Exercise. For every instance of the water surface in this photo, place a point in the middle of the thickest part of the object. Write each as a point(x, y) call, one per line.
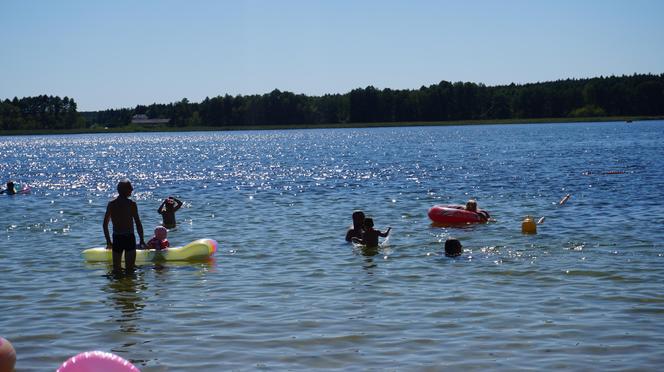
point(286, 292)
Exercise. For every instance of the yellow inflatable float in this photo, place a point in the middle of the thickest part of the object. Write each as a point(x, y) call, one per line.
point(197, 250)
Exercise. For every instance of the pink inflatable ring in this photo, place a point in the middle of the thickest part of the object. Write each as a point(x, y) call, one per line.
point(93, 361)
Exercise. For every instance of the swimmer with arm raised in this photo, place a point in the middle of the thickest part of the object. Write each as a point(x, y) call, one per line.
point(167, 211)
point(370, 235)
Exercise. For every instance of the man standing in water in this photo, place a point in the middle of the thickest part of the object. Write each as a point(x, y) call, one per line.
point(123, 213)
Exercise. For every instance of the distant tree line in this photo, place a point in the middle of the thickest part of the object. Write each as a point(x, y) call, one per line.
point(635, 95)
point(41, 112)
point(604, 96)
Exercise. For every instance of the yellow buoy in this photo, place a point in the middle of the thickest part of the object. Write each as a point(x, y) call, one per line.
point(528, 226)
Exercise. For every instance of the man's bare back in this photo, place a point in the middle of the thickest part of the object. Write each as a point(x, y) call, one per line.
point(122, 211)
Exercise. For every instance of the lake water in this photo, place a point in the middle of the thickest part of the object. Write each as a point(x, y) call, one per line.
point(286, 292)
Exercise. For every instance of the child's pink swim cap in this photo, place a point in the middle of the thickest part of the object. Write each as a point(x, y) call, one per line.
point(160, 232)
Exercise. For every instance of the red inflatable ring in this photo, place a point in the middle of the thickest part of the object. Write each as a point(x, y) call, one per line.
point(456, 214)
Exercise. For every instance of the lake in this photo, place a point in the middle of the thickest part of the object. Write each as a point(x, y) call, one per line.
point(286, 292)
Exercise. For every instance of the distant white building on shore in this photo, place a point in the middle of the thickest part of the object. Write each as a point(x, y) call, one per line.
point(143, 119)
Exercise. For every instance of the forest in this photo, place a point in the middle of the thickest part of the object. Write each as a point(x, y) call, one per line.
point(614, 96)
point(40, 112)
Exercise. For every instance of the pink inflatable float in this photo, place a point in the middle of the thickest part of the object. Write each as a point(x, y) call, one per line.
point(97, 361)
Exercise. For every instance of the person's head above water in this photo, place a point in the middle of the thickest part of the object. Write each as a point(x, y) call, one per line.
point(169, 203)
point(358, 219)
point(453, 247)
point(10, 185)
point(160, 232)
point(368, 222)
point(125, 188)
point(471, 205)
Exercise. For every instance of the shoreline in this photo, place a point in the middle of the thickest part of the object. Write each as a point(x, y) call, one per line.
point(141, 129)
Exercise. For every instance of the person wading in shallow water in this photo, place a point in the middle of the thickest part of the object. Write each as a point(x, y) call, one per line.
point(370, 235)
point(358, 226)
point(167, 211)
point(123, 213)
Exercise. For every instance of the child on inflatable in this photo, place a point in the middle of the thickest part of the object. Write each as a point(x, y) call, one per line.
point(159, 241)
point(370, 236)
point(167, 211)
point(356, 231)
point(471, 206)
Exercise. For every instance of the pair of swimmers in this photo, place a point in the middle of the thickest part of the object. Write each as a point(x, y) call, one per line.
point(363, 231)
point(122, 212)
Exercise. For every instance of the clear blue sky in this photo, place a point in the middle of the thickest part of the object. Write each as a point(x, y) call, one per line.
point(120, 53)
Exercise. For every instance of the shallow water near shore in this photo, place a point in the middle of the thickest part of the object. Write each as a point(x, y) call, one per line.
point(285, 291)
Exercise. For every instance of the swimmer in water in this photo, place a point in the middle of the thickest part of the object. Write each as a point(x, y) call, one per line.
point(10, 190)
point(167, 211)
point(370, 235)
point(453, 247)
point(358, 223)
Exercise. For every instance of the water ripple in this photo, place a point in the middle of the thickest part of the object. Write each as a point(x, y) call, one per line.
point(285, 291)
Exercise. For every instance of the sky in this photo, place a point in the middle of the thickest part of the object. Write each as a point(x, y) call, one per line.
point(122, 53)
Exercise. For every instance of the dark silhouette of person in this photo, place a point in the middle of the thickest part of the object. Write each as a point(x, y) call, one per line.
point(10, 190)
point(357, 229)
point(453, 248)
point(167, 211)
point(370, 235)
point(123, 213)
